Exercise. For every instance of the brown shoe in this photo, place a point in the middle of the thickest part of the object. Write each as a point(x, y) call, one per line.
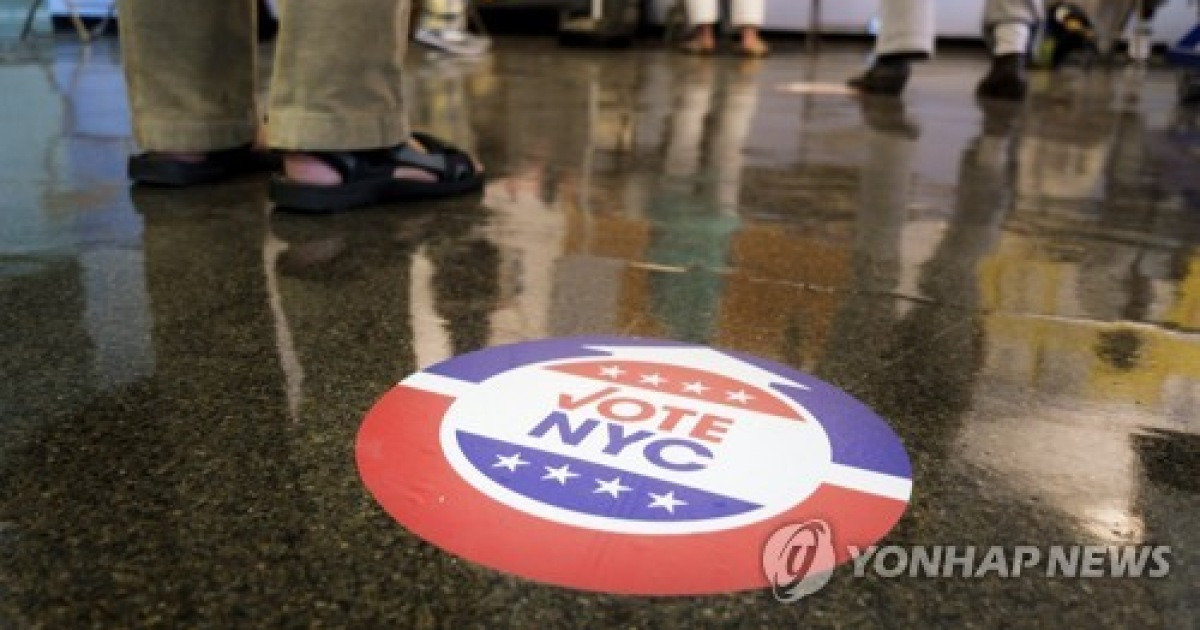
point(1005, 80)
point(884, 79)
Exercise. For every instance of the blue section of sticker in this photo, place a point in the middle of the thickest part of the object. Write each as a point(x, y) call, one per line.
point(591, 488)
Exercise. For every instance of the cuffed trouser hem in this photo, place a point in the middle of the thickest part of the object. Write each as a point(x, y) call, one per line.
point(186, 136)
point(906, 26)
point(1011, 38)
point(743, 13)
point(303, 131)
point(748, 13)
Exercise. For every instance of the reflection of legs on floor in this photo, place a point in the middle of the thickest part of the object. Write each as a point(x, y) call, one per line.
point(883, 193)
point(443, 25)
point(939, 342)
point(268, 25)
point(705, 144)
point(708, 132)
point(686, 124)
point(934, 351)
point(420, 285)
point(864, 323)
point(987, 175)
point(733, 127)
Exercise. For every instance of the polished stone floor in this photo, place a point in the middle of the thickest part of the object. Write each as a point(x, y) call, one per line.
point(1016, 289)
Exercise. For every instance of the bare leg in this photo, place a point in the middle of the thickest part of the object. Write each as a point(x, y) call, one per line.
point(752, 42)
point(702, 41)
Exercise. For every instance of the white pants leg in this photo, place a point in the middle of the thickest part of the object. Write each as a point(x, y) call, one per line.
point(745, 12)
point(702, 11)
point(748, 12)
point(1024, 11)
point(906, 26)
point(1008, 24)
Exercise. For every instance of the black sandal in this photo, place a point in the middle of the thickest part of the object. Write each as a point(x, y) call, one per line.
point(157, 169)
point(368, 177)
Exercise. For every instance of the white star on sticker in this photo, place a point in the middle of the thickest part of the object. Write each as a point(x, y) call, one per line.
point(739, 396)
point(612, 371)
point(561, 475)
point(511, 462)
point(653, 379)
point(695, 388)
point(613, 487)
point(666, 501)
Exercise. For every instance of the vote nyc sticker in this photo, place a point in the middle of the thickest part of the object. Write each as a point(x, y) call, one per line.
point(628, 466)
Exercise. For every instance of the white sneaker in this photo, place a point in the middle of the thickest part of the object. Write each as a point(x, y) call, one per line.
point(455, 42)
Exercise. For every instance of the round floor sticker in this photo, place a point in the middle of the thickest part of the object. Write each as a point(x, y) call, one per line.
point(628, 466)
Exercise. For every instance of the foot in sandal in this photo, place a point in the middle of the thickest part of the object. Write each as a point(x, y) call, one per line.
point(332, 181)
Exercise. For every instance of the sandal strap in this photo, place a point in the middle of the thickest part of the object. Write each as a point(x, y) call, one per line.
point(456, 163)
point(442, 160)
point(435, 163)
point(355, 165)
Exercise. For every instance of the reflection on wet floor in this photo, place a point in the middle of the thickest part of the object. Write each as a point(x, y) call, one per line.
point(1015, 288)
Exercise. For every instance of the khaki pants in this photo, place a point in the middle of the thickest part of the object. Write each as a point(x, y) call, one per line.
point(190, 68)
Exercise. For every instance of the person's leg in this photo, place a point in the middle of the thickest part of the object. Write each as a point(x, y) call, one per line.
point(189, 70)
point(337, 79)
point(443, 25)
point(337, 111)
point(748, 18)
point(906, 32)
point(1008, 27)
point(703, 16)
